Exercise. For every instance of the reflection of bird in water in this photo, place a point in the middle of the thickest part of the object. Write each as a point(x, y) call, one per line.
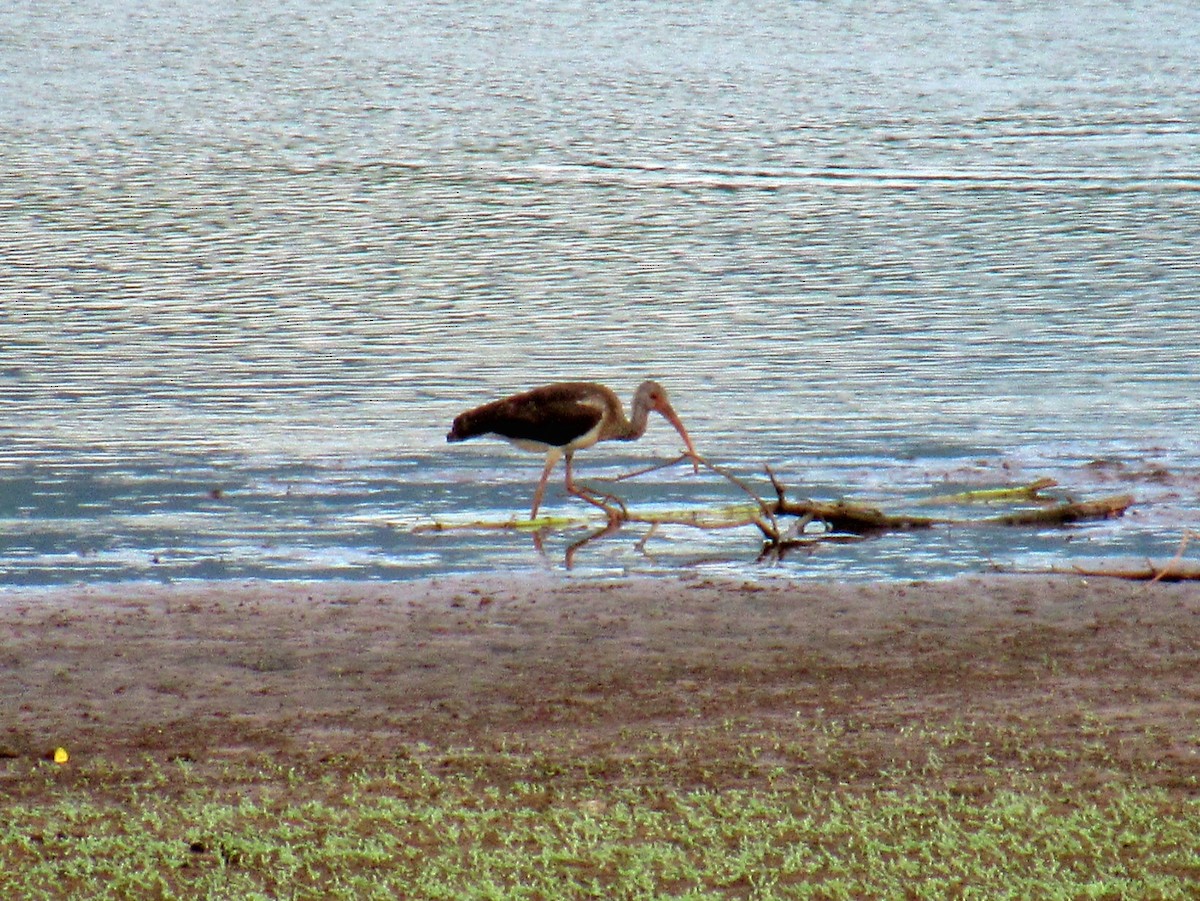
point(559, 419)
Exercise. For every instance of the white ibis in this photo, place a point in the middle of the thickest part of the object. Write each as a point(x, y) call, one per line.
point(559, 419)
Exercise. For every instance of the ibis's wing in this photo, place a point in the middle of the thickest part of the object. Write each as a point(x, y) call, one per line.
point(554, 415)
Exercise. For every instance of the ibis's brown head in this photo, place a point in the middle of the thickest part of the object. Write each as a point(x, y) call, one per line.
point(653, 396)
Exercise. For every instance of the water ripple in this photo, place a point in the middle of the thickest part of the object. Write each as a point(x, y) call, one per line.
point(272, 255)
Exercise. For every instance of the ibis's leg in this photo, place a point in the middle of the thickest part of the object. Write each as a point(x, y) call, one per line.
point(570, 477)
point(572, 488)
point(551, 459)
point(592, 496)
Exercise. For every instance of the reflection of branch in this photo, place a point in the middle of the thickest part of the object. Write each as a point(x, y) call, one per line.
point(779, 550)
point(653, 468)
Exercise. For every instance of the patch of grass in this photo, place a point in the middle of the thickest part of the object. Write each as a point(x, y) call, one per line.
point(515, 823)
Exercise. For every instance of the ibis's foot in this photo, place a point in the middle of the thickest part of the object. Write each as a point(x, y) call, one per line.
point(613, 507)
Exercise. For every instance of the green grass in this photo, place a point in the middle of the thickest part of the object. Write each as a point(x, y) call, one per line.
point(509, 824)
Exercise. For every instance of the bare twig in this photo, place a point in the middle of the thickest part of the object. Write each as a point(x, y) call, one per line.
point(1149, 575)
point(779, 489)
point(1188, 535)
point(650, 469)
point(598, 498)
point(770, 528)
point(772, 532)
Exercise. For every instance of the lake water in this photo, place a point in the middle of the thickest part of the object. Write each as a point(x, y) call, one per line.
point(253, 261)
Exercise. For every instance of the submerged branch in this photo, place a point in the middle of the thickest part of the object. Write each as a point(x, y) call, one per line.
point(1030, 492)
point(1064, 514)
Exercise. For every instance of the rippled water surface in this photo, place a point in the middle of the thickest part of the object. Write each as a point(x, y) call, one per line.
point(253, 262)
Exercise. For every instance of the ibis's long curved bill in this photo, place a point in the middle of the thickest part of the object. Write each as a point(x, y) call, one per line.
point(669, 414)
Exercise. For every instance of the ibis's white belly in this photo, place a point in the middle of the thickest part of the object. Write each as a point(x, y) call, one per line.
point(587, 439)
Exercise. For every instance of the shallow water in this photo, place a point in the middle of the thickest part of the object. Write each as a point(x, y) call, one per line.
point(254, 263)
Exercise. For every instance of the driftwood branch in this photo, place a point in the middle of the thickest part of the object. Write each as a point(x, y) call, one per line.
point(847, 516)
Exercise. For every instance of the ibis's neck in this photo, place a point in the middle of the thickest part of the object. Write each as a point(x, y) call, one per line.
point(635, 428)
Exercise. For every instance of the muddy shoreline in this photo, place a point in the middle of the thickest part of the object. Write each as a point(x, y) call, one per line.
point(213, 669)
